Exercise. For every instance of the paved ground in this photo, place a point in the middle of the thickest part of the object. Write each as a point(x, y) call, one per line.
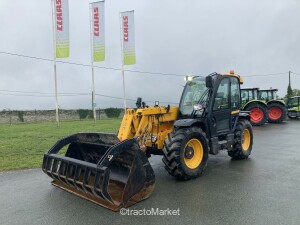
point(265, 189)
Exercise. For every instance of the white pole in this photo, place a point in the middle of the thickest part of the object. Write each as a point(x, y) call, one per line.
point(92, 63)
point(122, 56)
point(54, 60)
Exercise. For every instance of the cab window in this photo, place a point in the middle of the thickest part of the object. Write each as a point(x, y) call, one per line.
point(293, 102)
point(263, 95)
point(245, 96)
point(222, 97)
point(235, 93)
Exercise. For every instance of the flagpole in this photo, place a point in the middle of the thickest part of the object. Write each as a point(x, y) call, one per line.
point(122, 57)
point(54, 62)
point(92, 63)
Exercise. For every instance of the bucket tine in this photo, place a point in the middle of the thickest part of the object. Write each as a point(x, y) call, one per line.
point(105, 180)
point(69, 174)
point(77, 176)
point(96, 190)
point(61, 171)
point(46, 163)
point(86, 180)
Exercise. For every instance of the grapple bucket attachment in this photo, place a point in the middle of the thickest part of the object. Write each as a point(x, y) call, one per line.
point(100, 168)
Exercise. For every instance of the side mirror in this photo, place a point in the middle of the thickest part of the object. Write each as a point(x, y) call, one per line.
point(198, 107)
point(209, 82)
point(138, 102)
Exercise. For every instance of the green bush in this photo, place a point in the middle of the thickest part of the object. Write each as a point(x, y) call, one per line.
point(21, 116)
point(84, 113)
point(112, 112)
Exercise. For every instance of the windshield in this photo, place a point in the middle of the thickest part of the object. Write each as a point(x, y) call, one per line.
point(193, 93)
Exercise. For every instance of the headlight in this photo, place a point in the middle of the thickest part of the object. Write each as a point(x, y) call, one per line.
point(188, 78)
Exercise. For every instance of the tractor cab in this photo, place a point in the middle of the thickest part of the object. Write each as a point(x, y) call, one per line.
point(267, 95)
point(293, 105)
point(216, 94)
point(198, 92)
point(249, 94)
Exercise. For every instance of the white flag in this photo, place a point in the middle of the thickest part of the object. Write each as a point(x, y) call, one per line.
point(61, 8)
point(127, 21)
point(98, 31)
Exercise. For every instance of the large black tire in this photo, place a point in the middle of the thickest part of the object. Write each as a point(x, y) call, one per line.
point(293, 117)
point(178, 162)
point(243, 140)
point(258, 113)
point(276, 112)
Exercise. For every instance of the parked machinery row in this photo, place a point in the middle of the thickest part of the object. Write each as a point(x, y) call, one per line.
point(264, 106)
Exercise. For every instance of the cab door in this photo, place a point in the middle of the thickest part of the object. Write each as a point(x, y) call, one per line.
point(235, 100)
point(220, 115)
point(225, 106)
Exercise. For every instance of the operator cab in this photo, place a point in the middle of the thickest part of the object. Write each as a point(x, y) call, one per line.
point(248, 94)
point(267, 95)
point(214, 100)
point(293, 102)
point(293, 105)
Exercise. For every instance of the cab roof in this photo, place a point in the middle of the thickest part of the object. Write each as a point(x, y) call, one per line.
point(271, 89)
point(254, 88)
point(241, 79)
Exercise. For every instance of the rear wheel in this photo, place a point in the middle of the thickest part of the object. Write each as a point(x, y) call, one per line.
point(258, 114)
point(243, 140)
point(186, 153)
point(276, 112)
point(293, 117)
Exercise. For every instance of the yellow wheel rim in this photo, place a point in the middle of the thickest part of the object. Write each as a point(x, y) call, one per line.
point(193, 153)
point(246, 139)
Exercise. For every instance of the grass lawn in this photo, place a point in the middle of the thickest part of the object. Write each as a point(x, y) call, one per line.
point(22, 145)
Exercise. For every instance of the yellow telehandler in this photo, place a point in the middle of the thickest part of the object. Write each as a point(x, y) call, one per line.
point(114, 171)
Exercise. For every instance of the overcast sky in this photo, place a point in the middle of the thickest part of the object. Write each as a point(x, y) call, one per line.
point(253, 37)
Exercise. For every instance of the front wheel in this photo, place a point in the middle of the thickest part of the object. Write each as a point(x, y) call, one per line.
point(243, 140)
point(186, 153)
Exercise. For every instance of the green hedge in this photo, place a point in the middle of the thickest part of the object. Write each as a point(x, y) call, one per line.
point(112, 112)
point(85, 113)
point(21, 116)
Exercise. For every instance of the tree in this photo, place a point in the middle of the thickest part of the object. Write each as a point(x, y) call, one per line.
point(289, 91)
